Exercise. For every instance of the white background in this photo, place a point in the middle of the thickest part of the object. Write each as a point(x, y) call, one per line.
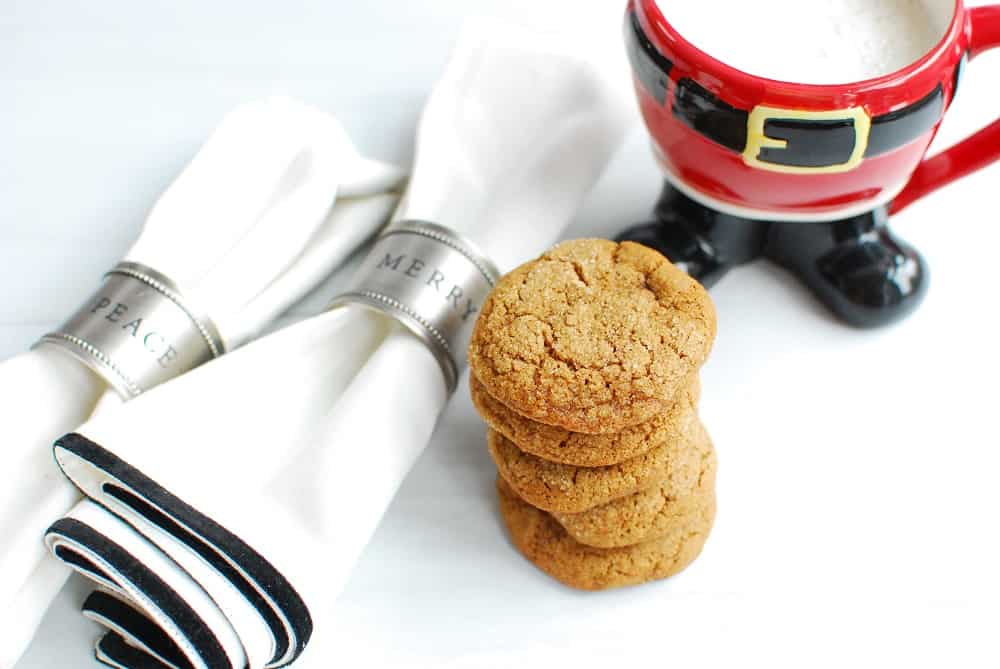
point(858, 495)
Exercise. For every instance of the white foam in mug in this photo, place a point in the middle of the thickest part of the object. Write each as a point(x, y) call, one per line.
point(812, 41)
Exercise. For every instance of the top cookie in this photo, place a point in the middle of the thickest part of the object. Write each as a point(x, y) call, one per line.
point(593, 336)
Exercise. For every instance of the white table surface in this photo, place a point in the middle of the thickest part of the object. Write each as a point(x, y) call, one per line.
point(857, 491)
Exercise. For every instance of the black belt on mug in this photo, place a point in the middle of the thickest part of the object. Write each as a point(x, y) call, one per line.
point(782, 140)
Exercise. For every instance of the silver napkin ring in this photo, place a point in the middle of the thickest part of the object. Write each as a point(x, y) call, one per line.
point(137, 331)
point(432, 281)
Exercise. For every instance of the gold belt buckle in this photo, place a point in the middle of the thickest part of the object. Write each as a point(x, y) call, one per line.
point(757, 139)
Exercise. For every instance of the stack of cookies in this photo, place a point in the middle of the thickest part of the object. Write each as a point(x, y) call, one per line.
point(585, 367)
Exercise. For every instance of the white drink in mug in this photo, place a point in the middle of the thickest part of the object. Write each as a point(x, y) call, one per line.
point(812, 41)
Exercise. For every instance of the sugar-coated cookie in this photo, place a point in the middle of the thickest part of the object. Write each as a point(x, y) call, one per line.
point(593, 336)
point(587, 450)
point(545, 543)
point(643, 516)
point(560, 488)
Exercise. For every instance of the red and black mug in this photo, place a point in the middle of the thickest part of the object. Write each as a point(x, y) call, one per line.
point(759, 148)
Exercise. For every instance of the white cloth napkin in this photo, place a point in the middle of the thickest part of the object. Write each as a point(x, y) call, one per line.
point(266, 500)
point(245, 231)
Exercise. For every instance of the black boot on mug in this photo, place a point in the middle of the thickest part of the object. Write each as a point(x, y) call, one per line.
point(702, 241)
point(855, 266)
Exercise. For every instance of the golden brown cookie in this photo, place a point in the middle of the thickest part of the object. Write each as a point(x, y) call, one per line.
point(560, 488)
point(649, 514)
point(587, 450)
point(545, 543)
point(594, 336)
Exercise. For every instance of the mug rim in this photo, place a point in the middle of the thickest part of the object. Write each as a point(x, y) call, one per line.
point(663, 28)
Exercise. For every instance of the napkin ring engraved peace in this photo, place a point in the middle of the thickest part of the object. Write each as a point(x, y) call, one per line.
point(137, 331)
point(805, 174)
point(432, 281)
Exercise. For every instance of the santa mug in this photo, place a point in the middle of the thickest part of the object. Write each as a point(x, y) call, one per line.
point(748, 159)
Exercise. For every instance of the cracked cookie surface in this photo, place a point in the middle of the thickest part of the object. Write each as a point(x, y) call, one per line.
point(546, 544)
point(560, 488)
point(649, 514)
point(587, 450)
point(593, 336)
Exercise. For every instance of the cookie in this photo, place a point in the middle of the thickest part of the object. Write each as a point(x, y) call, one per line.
point(593, 336)
point(649, 514)
point(545, 543)
point(560, 488)
point(587, 450)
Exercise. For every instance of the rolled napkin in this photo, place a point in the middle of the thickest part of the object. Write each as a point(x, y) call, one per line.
point(244, 232)
point(266, 500)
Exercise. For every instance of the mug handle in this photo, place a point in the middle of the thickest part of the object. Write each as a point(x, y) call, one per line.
point(973, 153)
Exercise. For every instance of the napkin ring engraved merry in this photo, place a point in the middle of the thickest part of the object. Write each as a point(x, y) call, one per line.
point(432, 281)
point(137, 331)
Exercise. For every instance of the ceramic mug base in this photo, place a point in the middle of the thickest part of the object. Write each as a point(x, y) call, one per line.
point(884, 198)
point(865, 275)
